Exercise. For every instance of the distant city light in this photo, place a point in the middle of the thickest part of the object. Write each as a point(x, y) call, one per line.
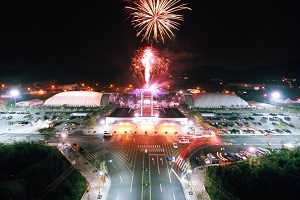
point(275, 95)
point(14, 93)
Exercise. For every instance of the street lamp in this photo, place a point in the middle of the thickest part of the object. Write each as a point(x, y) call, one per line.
point(14, 94)
point(102, 122)
point(63, 136)
point(275, 97)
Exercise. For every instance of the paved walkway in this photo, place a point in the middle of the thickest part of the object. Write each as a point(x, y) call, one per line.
point(194, 188)
point(89, 172)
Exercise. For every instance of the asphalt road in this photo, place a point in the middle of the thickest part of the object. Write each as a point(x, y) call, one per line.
point(139, 168)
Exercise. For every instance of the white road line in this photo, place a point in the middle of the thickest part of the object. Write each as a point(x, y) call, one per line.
point(113, 165)
point(160, 187)
point(157, 164)
point(131, 183)
point(120, 178)
point(174, 196)
point(176, 175)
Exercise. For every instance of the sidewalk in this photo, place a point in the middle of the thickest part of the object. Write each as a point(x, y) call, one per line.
point(194, 189)
point(89, 172)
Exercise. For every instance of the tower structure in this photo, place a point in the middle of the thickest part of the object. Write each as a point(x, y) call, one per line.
point(146, 103)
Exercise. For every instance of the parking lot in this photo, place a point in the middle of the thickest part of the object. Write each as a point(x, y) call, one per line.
point(29, 122)
point(252, 122)
point(265, 123)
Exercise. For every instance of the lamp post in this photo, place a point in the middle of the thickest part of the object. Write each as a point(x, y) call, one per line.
point(14, 94)
point(102, 123)
point(63, 136)
point(102, 175)
point(275, 97)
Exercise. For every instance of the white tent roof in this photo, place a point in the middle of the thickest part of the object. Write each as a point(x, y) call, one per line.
point(75, 98)
point(288, 100)
point(210, 100)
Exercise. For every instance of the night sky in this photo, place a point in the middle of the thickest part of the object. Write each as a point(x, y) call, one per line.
point(96, 35)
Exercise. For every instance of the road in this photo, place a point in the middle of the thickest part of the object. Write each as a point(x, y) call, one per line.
point(139, 168)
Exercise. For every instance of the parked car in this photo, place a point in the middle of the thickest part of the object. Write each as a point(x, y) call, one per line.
point(81, 149)
point(66, 128)
point(106, 134)
point(184, 141)
point(175, 146)
point(75, 146)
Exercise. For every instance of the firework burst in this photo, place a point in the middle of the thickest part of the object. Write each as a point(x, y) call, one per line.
point(146, 64)
point(155, 18)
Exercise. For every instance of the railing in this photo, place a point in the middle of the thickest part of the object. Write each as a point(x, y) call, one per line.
point(55, 183)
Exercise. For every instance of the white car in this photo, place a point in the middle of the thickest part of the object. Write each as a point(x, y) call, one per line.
point(184, 141)
point(175, 145)
point(106, 134)
point(66, 128)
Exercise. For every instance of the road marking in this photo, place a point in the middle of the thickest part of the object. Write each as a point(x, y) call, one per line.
point(120, 178)
point(118, 196)
point(176, 174)
point(131, 183)
point(113, 165)
point(174, 196)
point(157, 165)
point(160, 187)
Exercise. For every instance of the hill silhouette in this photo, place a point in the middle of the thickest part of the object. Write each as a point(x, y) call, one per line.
point(288, 69)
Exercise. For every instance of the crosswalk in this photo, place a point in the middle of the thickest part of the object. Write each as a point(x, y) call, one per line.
point(182, 164)
point(92, 156)
point(151, 148)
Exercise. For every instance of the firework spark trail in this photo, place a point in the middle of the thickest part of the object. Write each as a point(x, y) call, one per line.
point(146, 60)
point(155, 18)
point(146, 64)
